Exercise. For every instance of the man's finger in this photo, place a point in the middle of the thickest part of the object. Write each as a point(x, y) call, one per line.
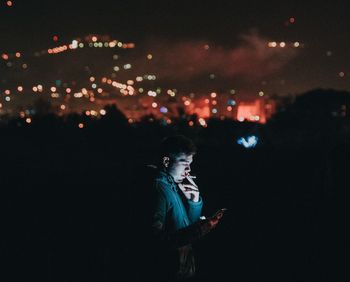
point(191, 190)
point(190, 193)
point(188, 186)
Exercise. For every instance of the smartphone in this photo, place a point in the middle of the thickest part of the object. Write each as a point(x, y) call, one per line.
point(219, 214)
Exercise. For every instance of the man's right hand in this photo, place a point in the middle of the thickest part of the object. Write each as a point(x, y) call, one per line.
point(190, 191)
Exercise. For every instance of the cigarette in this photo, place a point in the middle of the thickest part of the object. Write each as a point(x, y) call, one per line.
point(192, 176)
point(190, 179)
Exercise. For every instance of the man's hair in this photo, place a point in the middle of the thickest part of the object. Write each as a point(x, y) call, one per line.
point(172, 146)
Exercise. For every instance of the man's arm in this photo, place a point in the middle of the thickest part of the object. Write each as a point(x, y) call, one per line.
point(182, 236)
point(194, 210)
point(194, 203)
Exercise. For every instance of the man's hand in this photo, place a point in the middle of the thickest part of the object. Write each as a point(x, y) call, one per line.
point(190, 191)
point(214, 220)
point(206, 225)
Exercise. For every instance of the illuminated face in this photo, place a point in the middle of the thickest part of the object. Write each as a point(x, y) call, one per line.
point(178, 167)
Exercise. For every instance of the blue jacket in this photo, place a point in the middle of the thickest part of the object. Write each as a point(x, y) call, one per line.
point(176, 224)
point(172, 210)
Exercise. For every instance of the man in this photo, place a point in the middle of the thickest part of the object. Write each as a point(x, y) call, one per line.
point(176, 211)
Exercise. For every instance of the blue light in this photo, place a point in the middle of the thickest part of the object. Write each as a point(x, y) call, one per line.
point(249, 142)
point(163, 110)
point(231, 102)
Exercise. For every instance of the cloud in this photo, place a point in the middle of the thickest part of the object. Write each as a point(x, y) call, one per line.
point(186, 60)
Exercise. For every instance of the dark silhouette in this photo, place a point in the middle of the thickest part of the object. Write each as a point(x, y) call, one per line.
point(65, 195)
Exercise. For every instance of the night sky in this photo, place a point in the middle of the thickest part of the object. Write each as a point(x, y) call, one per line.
point(201, 46)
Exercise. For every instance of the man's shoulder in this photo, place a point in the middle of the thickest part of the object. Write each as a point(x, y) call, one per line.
point(150, 178)
point(163, 179)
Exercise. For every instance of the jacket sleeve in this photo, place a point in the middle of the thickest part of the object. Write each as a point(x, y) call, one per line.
point(194, 210)
point(182, 236)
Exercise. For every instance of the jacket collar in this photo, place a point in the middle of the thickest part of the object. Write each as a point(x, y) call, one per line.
point(164, 176)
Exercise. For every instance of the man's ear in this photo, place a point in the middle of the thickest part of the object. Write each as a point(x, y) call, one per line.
point(165, 161)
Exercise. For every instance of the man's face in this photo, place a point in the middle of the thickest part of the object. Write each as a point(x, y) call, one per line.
point(179, 167)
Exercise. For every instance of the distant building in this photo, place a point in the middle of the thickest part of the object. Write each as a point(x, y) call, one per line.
point(259, 110)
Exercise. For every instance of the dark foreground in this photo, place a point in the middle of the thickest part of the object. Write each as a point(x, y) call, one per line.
point(64, 201)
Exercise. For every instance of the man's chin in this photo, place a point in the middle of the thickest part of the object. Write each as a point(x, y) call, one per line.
point(179, 180)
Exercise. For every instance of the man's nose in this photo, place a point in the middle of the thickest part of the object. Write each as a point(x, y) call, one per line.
point(187, 168)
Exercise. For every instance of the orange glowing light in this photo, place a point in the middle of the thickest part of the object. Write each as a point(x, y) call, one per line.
point(81, 125)
point(9, 3)
point(273, 44)
point(202, 122)
point(5, 56)
point(55, 38)
point(20, 88)
point(213, 95)
point(112, 44)
point(251, 111)
point(28, 120)
point(18, 55)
